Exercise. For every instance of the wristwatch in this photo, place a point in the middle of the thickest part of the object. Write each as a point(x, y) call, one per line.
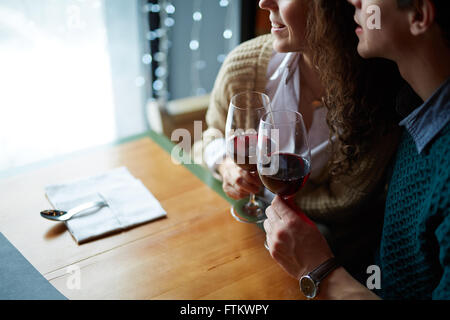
point(309, 283)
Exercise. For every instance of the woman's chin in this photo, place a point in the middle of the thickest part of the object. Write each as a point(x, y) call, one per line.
point(284, 46)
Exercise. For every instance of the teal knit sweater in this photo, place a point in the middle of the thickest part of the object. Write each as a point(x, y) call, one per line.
point(415, 245)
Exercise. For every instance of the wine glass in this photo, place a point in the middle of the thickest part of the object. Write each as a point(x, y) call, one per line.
point(241, 134)
point(283, 156)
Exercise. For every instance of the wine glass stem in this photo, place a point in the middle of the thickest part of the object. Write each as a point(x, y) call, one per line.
point(252, 200)
point(290, 201)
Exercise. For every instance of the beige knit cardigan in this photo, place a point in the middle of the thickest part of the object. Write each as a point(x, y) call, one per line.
point(328, 199)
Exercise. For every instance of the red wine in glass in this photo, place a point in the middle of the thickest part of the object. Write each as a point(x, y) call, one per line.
point(292, 174)
point(244, 151)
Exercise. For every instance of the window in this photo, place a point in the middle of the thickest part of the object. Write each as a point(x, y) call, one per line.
point(71, 76)
point(80, 73)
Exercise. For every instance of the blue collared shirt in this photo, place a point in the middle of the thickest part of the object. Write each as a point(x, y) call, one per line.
point(425, 122)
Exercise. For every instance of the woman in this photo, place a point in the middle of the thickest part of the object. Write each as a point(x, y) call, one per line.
point(414, 255)
point(347, 176)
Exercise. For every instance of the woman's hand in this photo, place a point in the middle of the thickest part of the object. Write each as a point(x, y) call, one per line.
point(238, 183)
point(294, 242)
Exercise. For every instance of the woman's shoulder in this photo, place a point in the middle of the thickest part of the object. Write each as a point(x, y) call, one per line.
point(255, 51)
point(246, 65)
point(256, 44)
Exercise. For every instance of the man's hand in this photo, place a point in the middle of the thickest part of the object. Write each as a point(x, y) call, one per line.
point(294, 242)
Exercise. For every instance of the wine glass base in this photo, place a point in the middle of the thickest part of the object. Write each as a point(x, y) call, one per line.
point(244, 211)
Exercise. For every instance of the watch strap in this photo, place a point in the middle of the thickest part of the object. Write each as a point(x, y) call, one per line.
point(319, 273)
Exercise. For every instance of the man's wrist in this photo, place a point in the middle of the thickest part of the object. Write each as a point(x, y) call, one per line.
point(340, 285)
point(310, 283)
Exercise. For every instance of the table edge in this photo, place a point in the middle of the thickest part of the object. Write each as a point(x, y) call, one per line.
point(161, 140)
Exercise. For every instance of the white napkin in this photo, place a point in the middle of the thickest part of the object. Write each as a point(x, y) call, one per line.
point(129, 203)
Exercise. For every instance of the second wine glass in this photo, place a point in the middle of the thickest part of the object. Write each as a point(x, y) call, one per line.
point(284, 156)
point(241, 133)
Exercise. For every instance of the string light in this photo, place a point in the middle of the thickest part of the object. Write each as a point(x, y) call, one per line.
point(160, 72)
point(197, 16)
point(158, 85)
point(223, 3)
point(159, 56)
point(194, 45)
point(147, 58)
point(221, 58)
point(151, 35)
point(155, 8)
point(170, 9)
point(169, 22)
point(227, 34)
point(160, 32)
point(165, 9)
point(147, 7)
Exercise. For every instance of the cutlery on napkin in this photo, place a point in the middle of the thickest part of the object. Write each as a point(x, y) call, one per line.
point(130, 203)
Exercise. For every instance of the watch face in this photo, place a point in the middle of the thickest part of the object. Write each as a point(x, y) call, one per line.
point(308, 287)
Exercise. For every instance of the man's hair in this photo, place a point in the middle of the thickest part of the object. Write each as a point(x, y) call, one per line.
point(442, 15)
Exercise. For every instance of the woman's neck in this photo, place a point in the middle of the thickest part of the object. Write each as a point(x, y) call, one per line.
point(309, 71)
point(311, 89)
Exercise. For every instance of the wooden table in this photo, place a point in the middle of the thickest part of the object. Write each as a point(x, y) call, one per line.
point(198, 252)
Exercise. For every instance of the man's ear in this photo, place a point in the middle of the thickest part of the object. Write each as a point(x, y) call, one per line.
point(421, 16)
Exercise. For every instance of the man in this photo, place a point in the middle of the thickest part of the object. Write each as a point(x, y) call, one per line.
point(415, 246)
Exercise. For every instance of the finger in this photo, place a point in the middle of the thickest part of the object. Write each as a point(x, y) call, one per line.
point(283, 210)
point(240, 178)
point(237, 172)
point(287, 214)
point(269, 213)
point(229, 186)
point(245, 186)
point(267, 227)
point(242, 189)
point(269, 243)
point(227, 178)
point(252, 178)
point(236, 195)
point(233, 193)
point(272, 214)
point(236, 175)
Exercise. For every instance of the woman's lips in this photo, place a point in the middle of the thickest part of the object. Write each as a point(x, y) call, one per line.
point(358, 29)
point(277, 27)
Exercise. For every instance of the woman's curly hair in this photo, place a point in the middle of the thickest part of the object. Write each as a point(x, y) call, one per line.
point(360, 94)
